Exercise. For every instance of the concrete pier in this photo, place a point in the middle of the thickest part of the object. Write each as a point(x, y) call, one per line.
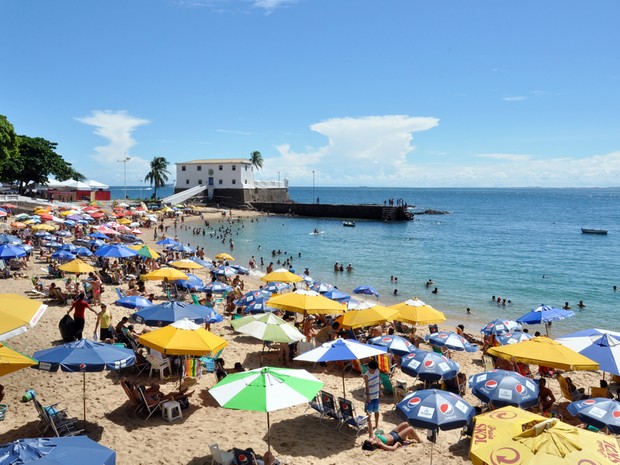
point(365, 212)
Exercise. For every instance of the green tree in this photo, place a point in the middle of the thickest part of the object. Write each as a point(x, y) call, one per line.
point(9, 143)
point(35, 162)
point(158, 176)
point(257, 159)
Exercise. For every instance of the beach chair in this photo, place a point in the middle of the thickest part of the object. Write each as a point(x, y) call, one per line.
point(316, 405)
point(350, 418)
point(56, 420)
point(600, 392)
point(195, 299)
point(244, 457)
point(129, 391)
point(149, 404)
point(220, 455)
point(329, 409)
point(119, 293)
point(160, 364)
point(386, 383)
point(488, 363)
point(564, 388)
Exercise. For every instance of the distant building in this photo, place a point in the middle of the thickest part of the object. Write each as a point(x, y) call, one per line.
point(229, 181)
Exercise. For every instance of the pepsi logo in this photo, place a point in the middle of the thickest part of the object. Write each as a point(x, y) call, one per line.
point(410, 356)
point(508, 334)
point(407, 344)
point(82, 366)
point(521, 389)
point(446, 409)
point(386, 339)
point(490, 384)
point(589, 402)
point(443, 336)
point(414, 401)
point(616, 413)
point(429, 364)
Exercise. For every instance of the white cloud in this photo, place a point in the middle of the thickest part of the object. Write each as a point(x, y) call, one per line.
point(270, 5)
point(234, 131)
point(505, 156)
point(514, 98)
point(118, 128)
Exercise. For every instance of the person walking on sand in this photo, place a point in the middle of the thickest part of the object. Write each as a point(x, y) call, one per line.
point(79, 307)
point(372, 382)
point(104, 322)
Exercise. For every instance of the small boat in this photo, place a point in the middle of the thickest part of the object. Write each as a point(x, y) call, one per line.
point(593, 231)
point(349, 224)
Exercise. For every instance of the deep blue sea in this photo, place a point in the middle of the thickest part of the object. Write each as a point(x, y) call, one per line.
point(524, 245)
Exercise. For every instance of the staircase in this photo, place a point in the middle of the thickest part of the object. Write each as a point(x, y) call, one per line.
point(388, 213)
point(184, 195)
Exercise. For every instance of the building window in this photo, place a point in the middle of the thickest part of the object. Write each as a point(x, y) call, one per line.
point(199, 168)
point(234, 181)
point(221, 167)
point(245, 182)
point(246, 167)
point(234, 167)
point(183, 167)
point(187, 181)
point(200, 181)
point(220, 182)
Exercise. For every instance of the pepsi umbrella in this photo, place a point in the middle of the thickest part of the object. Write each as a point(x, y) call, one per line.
point(276, 287)
point(500, 327)
point(240, 269)
point(503, 388)
point(321, 288)
point(429, 366)
point(598, 412)
point(63, 256)
point(337, 295)
point(224, 271)
point(168, 312)
point(96, 243)
point(181, 248)
point(9, 239)
point(192, 282)
point(512, 338)
point(166, 242)
point(52, 244)
point(99, 235)
point(63, 233)
point(115, 251)
point(69, 248)
point(252, 297)
point(201, 262)
point(366, 290)
point(42, 234)
point(216, 287)
point(72, 450)
point(259, 307)
point(8, 251)
point(435, 409)
point(451, 340)
point(395, 344)
point(544, 315)
point(597, 344)
point(84, 356)
point(83, 252)
point(133, 301)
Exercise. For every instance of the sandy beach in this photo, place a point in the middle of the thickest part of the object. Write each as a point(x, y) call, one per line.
point(296, 435)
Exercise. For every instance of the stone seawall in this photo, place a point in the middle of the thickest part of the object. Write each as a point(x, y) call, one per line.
point(365, 212)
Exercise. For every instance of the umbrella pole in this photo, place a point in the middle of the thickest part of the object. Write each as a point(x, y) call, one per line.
point(344, 392)
point(268, 434)
point(261, 356)
point(84, 395)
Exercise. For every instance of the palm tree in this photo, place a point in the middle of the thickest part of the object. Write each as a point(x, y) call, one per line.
point(159, 174)
point(257, 159)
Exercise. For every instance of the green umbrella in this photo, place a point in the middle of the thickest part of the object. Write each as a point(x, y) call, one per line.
point(266, 389)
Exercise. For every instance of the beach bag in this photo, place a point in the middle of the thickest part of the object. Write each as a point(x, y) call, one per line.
point(67, 328)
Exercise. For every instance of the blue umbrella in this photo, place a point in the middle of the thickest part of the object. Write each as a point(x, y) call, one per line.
point(9, 239)
point(52, 244)
point(181, 248)
point(83, 252)
point(321, 288)
point(167, 241)
point(115, 251)
point(544, 315)
point(276, 287)
point(63, 256)
point(598, 412)
point(252, 297)
point(337, 295)
point(73, 450)
point(42, 234)
point(168, 312)
point(133, 301)
point(84, 356)
point(240, 269)
point(69, 248)
point(224, 271)
point(203, 263)
point(96, 243)
point(62, 233)
point(216, 287)
point(8, 251)
point(192, 282)
point(503, 388)
point(512, 338)
point(451, 340)
point(99, 235)
point(599, 345)
point(258, 307)
point(429, 366)
point(366, 290)
point(395, 344)
point(500, 327)
point(433, 409)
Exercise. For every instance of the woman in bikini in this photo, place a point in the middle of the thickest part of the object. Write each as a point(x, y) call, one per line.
point(395, 438)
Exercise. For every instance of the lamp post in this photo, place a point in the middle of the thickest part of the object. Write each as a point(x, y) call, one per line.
point(141, 181)
point(124, 162)
point(313, 197)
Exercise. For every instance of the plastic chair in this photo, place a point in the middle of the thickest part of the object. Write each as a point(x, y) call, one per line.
point(220, 456)
point(329, 408)
point(158, 364)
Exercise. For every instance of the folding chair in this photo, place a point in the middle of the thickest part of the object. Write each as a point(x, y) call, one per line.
point(133, 400)
point(244, 457)
point(315, 404)
point(329, 408)
point(488, 363)
point(150, 404)
point(349, 417)
point(119, 293)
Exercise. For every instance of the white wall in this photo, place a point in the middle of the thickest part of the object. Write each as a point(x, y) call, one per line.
point(241, 177)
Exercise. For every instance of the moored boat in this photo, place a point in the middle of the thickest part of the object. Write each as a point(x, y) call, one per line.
point(593, 231)
point(349, 224)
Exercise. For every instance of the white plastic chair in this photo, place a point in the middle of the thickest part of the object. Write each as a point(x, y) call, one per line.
point(158, 364)
point(220, 456)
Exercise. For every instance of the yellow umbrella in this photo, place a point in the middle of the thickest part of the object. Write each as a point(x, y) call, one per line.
point(281, 276)
point(183, 337)
point(186, 264)
point(159, 275)
point(309, 302)
point(124, 221)
point(548, 442)
point(11, 360)
point(76, 266)
point(144, 250)
point(544, 351)
point(43, 227)
point(225, 256)
point(371, 316)
point(416, 312)
point(68, 212)
point(17, 313)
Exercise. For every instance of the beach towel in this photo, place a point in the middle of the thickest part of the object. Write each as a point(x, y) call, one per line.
point(193, 367)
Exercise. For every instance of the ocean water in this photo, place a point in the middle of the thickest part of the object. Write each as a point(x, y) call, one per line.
point(524, 245)
point(139, 192)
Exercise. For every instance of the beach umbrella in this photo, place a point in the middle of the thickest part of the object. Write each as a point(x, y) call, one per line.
point(598, 412)
point(416, 312)
point(307, 302)
point(144, 250)
point(185, 264)
point(321, 288)
point(281, 275)
point(600, 345)
point(225, 257)
point(216, 287)
point(63, 233)
point(544, 351)
point(203, 263)
point(52, 244)
point(84, 356)
point(72, 450)
point(171, 274)
point(18, 225)
point(545, 315)
point(337, 295)
point(240, 269)
point(11, 360)
point(181, 248)
point(166, 242)
point(133, 301)
point(17, 314)
point(498, 327)
point(96, 243)
point(115, 251)
point(76, 266)
point(429, 366)
point(258, 307)
point(395, 344)
point(9, 239)
point(267, 327)
point(366, 290)
point(9, 251)
point(192, 282)
point(501, 388)
point(374, 315)
point(223, 271)
point(168, 312)
point(341, 350)
point(63, 256)
point(98, 235)
point(512, 338)
point(451, 340)
point(83, 252)
point(435, 409)
point(252, 297)
point(43, 227)
point(183, 337)
point(276, 288)
point(266, 389)
point(22, 216)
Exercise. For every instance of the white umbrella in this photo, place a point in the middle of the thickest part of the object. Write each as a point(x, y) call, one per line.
point(97, 185)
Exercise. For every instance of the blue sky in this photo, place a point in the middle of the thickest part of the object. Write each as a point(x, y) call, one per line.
point(380, 93)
